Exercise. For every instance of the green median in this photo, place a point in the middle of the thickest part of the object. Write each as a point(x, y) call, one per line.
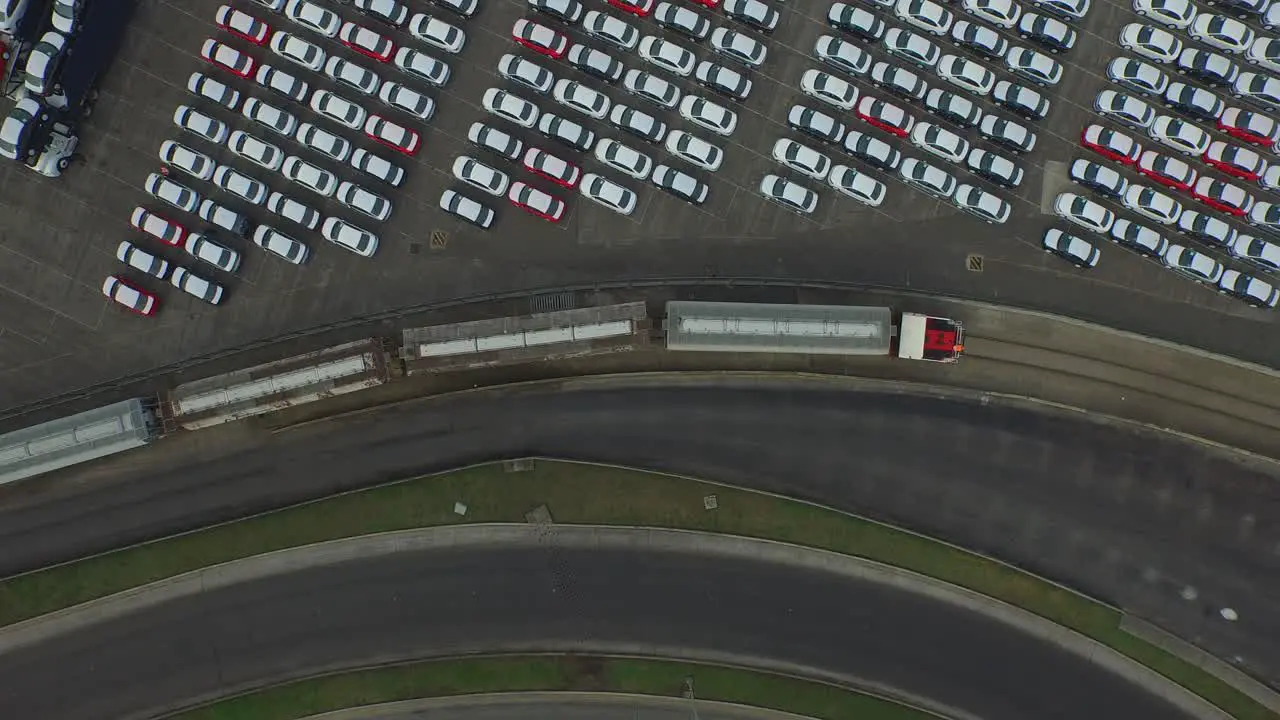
point(588, 494)
point(545, 673)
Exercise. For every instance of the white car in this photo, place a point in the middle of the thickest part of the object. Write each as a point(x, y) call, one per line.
point(1262, 253)
point(955, 107)
point(348, 236)
point(624, 158)
point(1004, 13)
point(1176, 14)
point(1137, 75)
point(1152, 204)
point(667, 55)
point(924, 14)
point(157, 226)
point(567, 131)
point(926, 177)
point(407, 100)
point(739, 46)
point(290, 209)
point(1195, 265)
point(240, 185)
point(1224, 33)
point(474, 212)
point(816, 123)
point(256, 151)
point(282, 82)
point(209, 128)
point(1077, 251)
point(196, 286)
point(176, 194)
point(695, 150)
point(638, 123)
point(801, 158)
point(966, 74)
point(481, 176)
point(939, 141)
point(912, 47)
point(899, 81)
point(790, 195)
point(316, 179)
point(338, 109)
point(512, 107)
point(608, 193)
point(829, 89)
point(652, 88)
point(281, 245)
point(982, 204)
point(842, 54)
point(707, 114)
point(135, 257)
point(1151, 42)
point(1125, 108)
point(1084, 212)
point(297, 50)
point(377, 167)
point(225, 218)
point(1071, 9)
point(212, 252)
point(192, 162)
point(858, 185)
point(437, 33)
point(313, 17)
point(351, 75)
point(324, 142)
point(1250, 289)
point(207, 87)
point(1035, 66)
point(1265, 51)
point(269, 116)
point(499, 141)
point(1138, 238)
point(422, 66)
point(578, 96)
point(1179, 135)
point(619, 33)
point(527, 73)
point(363, 201)
point(724, 80)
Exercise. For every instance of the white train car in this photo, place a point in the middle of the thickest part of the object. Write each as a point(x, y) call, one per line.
point(78, 438)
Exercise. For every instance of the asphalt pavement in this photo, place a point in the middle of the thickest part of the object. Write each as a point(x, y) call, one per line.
point(1136, 518)
point(414, 604)
point(556, 706)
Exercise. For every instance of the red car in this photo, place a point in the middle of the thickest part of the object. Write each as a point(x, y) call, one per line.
point(393, 135)
point(886, 116)
point(130, 296)
point(367, 42)
point(535, 202)
point(637, 7)
point(1251, 127)
point(1223, 196)
point(709, 3)
point(540, 38)
point(1168, 171)
point(243, 25)
point(227, 57)
point(158, 226)
point(1235, 160)
point(1111, 144)
point(560, 172)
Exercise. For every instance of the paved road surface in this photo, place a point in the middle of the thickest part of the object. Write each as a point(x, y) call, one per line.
point(1133, 518)
point(459, 600)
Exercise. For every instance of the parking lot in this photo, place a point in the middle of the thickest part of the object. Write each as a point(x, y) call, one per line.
point(59, 235)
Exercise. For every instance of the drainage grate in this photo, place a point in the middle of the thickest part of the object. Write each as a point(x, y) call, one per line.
point(973, 263)
point(552, 302)
point(439, 239)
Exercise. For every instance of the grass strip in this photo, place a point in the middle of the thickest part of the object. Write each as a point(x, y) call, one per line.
point(550, 673)
point(590, 494)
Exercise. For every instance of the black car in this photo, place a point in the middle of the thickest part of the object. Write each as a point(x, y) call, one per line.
point(1050, 33)
point(855, 21)
point(568, 11)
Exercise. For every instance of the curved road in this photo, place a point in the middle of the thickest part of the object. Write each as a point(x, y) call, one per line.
point(413, 604)
point(555, 706)
point(1136, 518)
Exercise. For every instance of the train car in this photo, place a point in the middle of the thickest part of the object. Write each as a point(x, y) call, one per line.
point(78, 438)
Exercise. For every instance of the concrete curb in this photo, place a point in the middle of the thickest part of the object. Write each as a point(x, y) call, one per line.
point(330, 553)
point(383, 710)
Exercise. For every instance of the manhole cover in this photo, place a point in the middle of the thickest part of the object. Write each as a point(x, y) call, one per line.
point(439, 239)
point(973, 263)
